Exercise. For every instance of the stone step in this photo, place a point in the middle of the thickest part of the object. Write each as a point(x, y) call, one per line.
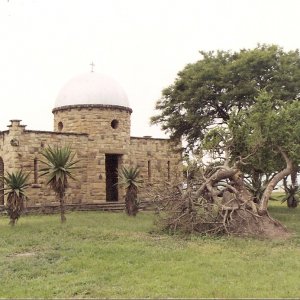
point(105, 206)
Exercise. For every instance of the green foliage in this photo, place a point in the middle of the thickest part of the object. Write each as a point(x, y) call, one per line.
point(59, 163)
point(128, 177)
point(208, 91)
point(263, 131)
point(216, 139)
point(15, 184)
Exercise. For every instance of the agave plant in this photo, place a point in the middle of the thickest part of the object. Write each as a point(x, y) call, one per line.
point(292, 193)
point(128, 177)
point(15, 184)
point(59, 164)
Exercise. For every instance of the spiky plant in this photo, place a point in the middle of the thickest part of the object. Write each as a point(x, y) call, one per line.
point(292, 193)
point(59, 163)
point(128, 177)
point(15, 184)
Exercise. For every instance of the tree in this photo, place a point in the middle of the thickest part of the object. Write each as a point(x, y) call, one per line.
point(60, 163)
point(129, 179)
point(208, 91)
point(269, 135)
point(265, 137)
point(15, 184)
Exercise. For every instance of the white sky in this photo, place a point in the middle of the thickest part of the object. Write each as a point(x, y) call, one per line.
point(140, 43)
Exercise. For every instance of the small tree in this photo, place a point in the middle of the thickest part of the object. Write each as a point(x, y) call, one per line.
point(15, 186)
point(59, 163)
point(128, 179)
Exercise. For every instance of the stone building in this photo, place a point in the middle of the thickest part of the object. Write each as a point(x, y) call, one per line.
point(92, 116)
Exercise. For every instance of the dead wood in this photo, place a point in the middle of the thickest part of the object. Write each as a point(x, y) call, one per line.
point(215, 204)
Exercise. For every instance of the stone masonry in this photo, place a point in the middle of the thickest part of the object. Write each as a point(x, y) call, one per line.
point(90, 133)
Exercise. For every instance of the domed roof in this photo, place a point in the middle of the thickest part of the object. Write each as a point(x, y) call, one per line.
point(92, 88)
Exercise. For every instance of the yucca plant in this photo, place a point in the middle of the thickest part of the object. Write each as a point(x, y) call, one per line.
point(15, 184)
point(59, 163)
point(128, 177)
point(292, 193)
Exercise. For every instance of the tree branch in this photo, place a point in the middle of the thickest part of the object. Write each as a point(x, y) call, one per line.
point(273, 182)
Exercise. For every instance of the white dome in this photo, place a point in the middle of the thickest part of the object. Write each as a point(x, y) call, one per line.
point(92, 88)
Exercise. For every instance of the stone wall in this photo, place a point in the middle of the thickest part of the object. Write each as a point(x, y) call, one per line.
point(158, 160)
point(109, 133)
point(21, 149)
point(1, 169)
point(110, 125)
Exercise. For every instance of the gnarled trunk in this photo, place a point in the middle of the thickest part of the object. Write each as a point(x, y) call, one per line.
point(273, 182)
point(221, 205)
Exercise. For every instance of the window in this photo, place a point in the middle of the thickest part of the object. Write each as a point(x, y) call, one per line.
point(169, 169)
point(60, 126)
point(35, 171)
point(149, 170)
point(114, 124)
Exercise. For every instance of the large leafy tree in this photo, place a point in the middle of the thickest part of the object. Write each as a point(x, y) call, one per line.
point(265, 137)
point(206, 92)
point(59, 165)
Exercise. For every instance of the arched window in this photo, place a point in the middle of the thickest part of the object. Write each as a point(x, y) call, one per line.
point(1, 182)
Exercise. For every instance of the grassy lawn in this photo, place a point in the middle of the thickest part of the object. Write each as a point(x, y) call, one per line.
point(97, 254)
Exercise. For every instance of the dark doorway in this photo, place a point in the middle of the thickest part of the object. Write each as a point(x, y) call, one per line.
point(111, 169)
point(1, 182)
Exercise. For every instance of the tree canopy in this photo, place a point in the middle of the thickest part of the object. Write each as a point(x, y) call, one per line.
point(244, 108)
point(264, 131)
point(222, 82)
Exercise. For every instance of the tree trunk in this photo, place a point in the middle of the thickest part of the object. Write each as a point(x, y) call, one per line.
point(12, 222)
point(62, 209)
point(271, 185)
point(243, 193)
point(131, 207)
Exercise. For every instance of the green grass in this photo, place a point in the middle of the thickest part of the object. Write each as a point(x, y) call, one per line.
point(97, 254)
point(278, 196)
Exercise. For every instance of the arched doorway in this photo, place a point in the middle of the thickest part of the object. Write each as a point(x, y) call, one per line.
point(1, 181)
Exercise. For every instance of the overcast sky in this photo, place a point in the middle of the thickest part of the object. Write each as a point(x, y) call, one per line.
point(140, 43)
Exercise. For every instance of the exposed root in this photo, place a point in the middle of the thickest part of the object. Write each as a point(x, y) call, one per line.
point(228, 210)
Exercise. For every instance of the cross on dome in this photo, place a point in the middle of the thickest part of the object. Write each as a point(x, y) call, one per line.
point(92, 66)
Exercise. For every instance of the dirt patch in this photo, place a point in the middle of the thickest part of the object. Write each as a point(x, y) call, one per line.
point(24, 254)
point(264, 226)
